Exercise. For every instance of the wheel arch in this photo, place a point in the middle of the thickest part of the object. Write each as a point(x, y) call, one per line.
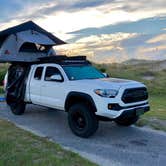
point(76, 97)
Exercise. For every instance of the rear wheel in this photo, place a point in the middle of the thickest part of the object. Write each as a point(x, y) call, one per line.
point(127, 121)
point(18, 108)
point(82, 120)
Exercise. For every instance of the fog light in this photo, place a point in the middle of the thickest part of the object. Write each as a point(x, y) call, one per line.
point(109, 106)
point(114, 106)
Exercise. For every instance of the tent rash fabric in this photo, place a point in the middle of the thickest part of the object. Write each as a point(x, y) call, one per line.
point(26, 42)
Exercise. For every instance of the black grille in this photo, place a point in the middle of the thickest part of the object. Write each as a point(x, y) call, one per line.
point(135, 95)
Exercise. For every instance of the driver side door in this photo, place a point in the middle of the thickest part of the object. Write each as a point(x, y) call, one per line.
point(52, 90)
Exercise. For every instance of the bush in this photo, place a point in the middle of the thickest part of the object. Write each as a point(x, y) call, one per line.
point(3, 70)
point(2, 75)
point(103, 70)
point(155, 86)
point(1, 90)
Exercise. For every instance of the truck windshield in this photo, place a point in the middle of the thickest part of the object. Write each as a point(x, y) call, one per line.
point(82, 72)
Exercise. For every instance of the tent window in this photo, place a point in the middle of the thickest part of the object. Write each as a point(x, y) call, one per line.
point(28, 47)
point(32, 47)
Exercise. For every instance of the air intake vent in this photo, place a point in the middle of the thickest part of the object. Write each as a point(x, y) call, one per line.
point(135, 95)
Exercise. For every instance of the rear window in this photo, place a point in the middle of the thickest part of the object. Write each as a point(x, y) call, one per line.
point(38, 73)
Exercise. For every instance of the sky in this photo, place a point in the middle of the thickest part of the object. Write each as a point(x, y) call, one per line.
point(106, 31)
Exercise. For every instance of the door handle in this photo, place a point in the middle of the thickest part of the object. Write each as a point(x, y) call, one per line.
point(43, 85)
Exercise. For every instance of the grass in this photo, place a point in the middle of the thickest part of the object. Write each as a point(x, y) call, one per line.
point(19, 147)
point(138, 72)
point(156, 117)
point(152, 123)
point(158, 107)
point(1, 90)
point(3, 69)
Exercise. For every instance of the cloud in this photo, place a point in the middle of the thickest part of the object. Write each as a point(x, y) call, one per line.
point(151, 53)
point(152, 50)
point(105, 30)
point(143, 5)
point(74, 5)
point(142, 27)
point(158, 38)
point(81, 14)
point(96, 46)
point(107, 37)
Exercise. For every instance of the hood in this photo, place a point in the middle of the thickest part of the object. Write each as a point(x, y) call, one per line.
point(108, 83)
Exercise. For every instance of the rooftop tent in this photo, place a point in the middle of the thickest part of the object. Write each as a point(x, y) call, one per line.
point(26, 42)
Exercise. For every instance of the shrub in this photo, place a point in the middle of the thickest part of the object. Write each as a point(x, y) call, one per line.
point(103, 70)
point(2, 75)
point(3, 69)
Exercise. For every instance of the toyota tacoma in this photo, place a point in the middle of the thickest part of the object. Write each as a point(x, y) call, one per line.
point(73, 85)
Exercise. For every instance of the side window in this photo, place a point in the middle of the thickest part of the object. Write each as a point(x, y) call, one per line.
point(52, 71)
point(38, 73)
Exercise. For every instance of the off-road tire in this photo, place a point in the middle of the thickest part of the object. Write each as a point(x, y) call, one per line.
point(89, 123)
point(18, 108)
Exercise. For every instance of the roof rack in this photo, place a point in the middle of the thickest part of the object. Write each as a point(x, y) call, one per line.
point(64, 60)
point(59, 59)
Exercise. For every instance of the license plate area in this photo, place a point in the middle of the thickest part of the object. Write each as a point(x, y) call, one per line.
point(139, 111)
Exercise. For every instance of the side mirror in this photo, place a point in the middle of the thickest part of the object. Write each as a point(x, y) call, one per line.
point(56, 77)
point(106, 75)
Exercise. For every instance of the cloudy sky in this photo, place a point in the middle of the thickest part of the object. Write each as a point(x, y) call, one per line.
point(104, 30)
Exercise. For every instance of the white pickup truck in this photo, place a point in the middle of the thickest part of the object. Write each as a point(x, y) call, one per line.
point(75, 86)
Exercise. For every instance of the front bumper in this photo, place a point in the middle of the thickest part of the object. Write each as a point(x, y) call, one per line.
point(135, 110)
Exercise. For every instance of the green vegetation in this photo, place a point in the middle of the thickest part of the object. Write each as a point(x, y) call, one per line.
point(19, 147)
point(146, 73)
point(3, 69)
point(152, 123)
point(1, 90)
point(156, 118)
point(158, 107)
point(154, 77)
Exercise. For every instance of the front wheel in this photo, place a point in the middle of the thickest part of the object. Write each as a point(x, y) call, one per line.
point(18, 108)
point(82, 120)
point(127, 121)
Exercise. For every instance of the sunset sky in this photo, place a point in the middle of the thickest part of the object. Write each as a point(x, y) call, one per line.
point(104, 30)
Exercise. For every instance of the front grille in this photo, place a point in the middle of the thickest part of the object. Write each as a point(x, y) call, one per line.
point(135, 95)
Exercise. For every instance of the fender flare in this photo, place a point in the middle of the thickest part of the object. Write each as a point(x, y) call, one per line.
point(79, 95)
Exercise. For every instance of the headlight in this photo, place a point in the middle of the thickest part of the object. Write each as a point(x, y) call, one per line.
point(106, 92)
